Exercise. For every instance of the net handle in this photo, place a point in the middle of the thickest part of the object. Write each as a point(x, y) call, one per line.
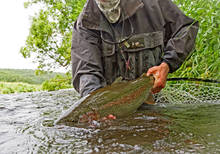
point(193, 79)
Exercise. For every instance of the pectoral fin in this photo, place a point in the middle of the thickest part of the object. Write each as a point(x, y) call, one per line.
point(150, 100)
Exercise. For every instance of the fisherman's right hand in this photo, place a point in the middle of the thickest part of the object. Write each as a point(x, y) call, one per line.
point(160, 74)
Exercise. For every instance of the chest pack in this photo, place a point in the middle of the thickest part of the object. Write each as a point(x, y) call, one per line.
point(132, 57)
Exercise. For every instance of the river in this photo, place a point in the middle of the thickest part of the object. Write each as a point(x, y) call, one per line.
point(26, 126)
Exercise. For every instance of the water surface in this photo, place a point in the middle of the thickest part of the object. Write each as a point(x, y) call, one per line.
point(26, 126)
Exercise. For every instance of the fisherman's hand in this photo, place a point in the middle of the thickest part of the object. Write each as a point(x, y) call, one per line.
point(160, 74)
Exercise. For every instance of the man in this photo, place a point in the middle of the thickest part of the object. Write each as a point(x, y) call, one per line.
point(113, 38)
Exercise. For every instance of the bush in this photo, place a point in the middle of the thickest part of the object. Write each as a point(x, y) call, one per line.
point(17, 87)
point(7, 90)
point(58, 82)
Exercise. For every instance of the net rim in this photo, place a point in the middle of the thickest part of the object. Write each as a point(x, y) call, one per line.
point(193, 79)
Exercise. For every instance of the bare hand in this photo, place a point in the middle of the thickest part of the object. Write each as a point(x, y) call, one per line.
point(160, 74)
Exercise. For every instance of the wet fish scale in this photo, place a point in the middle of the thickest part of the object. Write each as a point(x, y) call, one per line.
point(119, 99)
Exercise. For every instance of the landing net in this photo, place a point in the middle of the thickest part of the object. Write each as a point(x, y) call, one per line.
point(189, 91)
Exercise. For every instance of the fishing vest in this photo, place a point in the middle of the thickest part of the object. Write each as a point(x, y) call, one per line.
point(132, 57)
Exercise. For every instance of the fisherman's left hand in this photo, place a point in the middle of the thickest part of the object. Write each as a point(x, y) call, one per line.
point(160, 74)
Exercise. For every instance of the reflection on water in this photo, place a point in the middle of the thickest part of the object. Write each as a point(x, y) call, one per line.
point(26, 126)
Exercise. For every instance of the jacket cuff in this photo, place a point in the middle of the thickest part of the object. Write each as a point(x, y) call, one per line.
point(170, 64)
point(88, 84)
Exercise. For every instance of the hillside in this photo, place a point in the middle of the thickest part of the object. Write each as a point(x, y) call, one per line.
point(25, 76)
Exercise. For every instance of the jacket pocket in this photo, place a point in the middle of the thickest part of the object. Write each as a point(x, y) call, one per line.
point(110, 66)
point(143, 41)
point(108, 49)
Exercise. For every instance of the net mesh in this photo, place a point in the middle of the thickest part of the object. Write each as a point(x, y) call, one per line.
point(189, 92)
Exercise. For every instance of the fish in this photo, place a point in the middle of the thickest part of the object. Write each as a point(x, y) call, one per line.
point(118, 100)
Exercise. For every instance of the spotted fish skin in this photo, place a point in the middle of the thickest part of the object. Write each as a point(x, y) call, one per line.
point(119, 99)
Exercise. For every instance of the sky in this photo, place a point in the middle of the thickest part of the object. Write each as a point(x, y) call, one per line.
point(14, 29)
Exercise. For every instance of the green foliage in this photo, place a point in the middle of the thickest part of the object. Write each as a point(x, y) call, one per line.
point(25, 76)
point(50, 35)
point(51, 31)
point(204, 62)
point(18, 80)
point(17, 87)
point(58, 82)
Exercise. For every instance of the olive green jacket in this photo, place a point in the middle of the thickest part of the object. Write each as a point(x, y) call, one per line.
point(148, 32)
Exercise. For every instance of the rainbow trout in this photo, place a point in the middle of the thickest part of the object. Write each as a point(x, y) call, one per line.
point(119, 99)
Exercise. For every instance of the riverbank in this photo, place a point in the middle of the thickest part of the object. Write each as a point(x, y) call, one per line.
point(18, 87)
point(27, 80)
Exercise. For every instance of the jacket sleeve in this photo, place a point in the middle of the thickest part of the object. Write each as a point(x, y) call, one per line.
point(87, 70)
point(180, 35)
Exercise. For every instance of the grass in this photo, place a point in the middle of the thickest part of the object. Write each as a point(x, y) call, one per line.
point(18, 87)
point(26, 80)
point(204, 62)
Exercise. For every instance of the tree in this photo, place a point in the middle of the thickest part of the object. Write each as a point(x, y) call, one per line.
point(51, 31)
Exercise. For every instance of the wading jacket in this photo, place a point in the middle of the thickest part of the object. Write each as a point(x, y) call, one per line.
point(148, 32)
